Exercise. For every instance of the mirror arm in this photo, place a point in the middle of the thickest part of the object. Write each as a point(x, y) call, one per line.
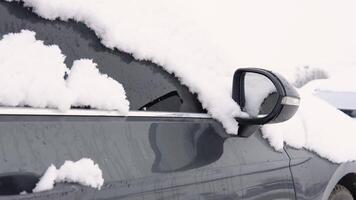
point(246, 131)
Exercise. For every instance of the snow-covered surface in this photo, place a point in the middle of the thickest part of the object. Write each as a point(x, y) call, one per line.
point(83, 171)
point(339, 92)
point(317, 126)
point(32, 74)
point(341, 100)
point(339, 84)
point(203, 42)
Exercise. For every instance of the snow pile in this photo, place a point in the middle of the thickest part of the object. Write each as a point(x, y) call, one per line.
point(317, 126)
point(32, 74)
point(83, 171)
point(84, 78)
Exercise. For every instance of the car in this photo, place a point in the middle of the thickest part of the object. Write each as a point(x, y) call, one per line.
point(167, 147)
point(344, 99)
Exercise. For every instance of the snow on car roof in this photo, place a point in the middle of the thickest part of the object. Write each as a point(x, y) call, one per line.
point(204, 42)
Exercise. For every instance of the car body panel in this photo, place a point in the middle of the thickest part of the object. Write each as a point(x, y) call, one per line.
point(151, 158)
point(311, 173)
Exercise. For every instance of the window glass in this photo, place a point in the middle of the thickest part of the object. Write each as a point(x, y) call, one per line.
point(145, 83)
point(351, 113)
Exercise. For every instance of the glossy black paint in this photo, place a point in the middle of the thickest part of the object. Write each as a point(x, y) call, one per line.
point(311, 173)
point(149, 158)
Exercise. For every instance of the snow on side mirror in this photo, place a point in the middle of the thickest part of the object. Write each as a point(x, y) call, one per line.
point(265, 96)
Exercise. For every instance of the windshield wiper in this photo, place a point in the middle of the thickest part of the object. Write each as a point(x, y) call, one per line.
point(160, 99)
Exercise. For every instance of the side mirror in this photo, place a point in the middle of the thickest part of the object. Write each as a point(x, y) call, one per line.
point(265, 96)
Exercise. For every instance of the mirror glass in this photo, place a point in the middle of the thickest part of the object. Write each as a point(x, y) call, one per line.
point(260, 95)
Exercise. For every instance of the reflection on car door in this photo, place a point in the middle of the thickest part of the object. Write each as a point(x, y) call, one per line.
point(195, 159)
point(149, 157)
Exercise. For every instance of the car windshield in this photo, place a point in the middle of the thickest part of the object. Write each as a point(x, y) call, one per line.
point(351, 113)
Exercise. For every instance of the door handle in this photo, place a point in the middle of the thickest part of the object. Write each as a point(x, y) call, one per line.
point(17, 182)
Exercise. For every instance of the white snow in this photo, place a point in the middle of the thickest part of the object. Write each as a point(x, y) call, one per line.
point(84, 78)
point(317, 126)
point(47, 181)
point(203, 42)
point(32, 74)
point(341, 93)
point(335, 84)
point(83, 171)
point(339, 90)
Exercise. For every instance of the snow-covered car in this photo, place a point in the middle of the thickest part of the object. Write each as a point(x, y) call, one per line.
point(335, 93)
point(344, 101)
point(167, 146)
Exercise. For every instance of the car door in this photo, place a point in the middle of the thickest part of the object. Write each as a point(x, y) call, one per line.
point(311, 173)
point(141, 157)
point(167, 148)
point(265, 172)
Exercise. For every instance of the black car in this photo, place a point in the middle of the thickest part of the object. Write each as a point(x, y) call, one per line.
point(168, 147)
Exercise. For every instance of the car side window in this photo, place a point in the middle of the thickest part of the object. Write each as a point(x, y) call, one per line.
point(147, 86)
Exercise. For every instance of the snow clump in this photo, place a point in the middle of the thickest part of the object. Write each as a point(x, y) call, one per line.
point(84, 78)
point(32, 74)
point(83, 171)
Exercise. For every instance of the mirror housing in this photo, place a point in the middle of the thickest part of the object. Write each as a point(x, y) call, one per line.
point(286, 103)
